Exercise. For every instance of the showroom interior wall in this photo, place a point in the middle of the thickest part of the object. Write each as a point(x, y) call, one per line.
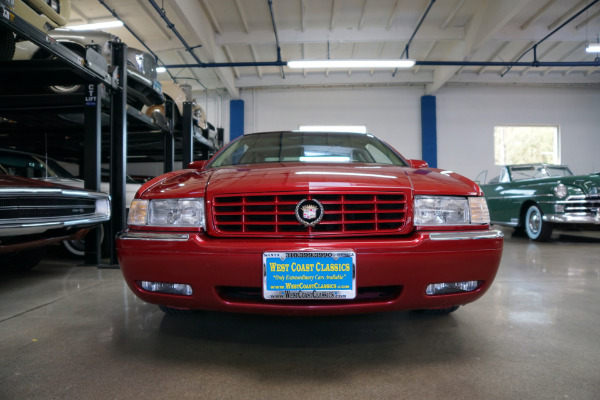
point(466, 117)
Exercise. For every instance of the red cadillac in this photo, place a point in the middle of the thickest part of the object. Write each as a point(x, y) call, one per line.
point(298, 223)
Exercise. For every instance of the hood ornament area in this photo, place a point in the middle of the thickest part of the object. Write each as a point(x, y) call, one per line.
point(309, 212)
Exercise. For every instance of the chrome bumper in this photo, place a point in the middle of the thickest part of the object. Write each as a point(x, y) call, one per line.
point(492, 234)
point(572, 218)
point(160, 236)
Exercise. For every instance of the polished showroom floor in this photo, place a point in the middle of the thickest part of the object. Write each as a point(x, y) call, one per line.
point(76, 332)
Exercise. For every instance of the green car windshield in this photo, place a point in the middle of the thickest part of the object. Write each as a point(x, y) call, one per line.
point(537, 171)
point(305, 147)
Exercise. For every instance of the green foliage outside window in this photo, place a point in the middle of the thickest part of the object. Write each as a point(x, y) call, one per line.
point(526, 144)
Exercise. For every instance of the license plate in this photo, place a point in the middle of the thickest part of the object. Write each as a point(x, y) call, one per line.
point(294, 275)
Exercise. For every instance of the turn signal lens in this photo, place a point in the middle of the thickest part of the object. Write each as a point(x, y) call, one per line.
point(167, 288)
point(451, 287)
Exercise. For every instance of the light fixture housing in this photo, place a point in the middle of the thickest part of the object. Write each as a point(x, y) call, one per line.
point(592, 48)
point(351, 64)
point(99, 25)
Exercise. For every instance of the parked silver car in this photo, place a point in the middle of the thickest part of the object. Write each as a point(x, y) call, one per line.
point(142, 86)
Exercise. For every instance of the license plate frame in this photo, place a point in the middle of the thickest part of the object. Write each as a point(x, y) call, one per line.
point(309, 275)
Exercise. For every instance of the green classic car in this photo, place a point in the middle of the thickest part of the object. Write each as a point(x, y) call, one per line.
point(538, 198)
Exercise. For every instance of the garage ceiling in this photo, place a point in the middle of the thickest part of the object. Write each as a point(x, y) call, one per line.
point(477, 31)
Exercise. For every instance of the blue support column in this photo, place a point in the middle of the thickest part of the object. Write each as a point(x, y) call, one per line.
point(429, 130)
point(236, 119)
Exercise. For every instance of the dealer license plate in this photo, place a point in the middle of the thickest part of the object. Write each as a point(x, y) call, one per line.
point(298, 275)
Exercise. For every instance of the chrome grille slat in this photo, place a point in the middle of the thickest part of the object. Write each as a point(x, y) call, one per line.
point(345, 214)
point(22, 208)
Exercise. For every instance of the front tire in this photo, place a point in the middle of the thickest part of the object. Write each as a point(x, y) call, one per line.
point(537, 229)
point(7, 44)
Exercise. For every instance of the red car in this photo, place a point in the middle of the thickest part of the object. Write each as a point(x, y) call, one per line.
point(299, 223)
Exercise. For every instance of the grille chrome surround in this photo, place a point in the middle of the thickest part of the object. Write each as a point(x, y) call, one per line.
point(346, 214)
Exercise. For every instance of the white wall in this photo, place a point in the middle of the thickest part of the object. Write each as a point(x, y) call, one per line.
point(465, 118)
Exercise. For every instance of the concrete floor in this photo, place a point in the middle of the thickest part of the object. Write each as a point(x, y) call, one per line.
point(73, 332)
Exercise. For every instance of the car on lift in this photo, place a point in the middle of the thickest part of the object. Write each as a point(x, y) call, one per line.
point(309, 223)
point(36, 213)
point(538, 198)
point(35, 166)
point(45, 15)
point(143, 88)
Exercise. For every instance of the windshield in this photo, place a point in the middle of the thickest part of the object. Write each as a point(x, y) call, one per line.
point(307, 147)
point(31, 166)
point(537, 171)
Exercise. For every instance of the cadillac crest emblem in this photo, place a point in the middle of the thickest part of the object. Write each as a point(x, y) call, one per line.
point(309, 212)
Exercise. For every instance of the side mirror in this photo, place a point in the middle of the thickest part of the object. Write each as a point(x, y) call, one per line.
point(418, 164)
point(197, 165)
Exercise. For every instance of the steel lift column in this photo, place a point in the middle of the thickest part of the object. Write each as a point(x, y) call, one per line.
point(118, 148)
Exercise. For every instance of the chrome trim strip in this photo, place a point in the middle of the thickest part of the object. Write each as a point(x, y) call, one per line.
point(172, 237)
point(491, 234)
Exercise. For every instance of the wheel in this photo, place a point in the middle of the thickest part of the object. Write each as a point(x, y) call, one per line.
point(440, 311)
point(68, 88)
point(24, 260)
point(7, 44)
point(537, 229)
point(77, 247)
point(175, 311)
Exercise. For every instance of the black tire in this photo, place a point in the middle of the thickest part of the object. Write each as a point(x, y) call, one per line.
point(24, 260)
point(77, 247)
point(537, 229)
point(440, 311)
point(176, 311)
point(62, 89)
point(7, 44)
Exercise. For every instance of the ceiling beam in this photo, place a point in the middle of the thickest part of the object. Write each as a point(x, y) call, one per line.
point(202, 29)
point(489, 18)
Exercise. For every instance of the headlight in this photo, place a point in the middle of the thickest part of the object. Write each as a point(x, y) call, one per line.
point(447, 210)
point(560, 191)
point(167, 212)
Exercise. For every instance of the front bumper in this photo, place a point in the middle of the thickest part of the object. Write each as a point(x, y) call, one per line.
point(391, 273)
point(573, 218)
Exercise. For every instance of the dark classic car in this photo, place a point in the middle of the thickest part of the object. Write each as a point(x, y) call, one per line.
point(34, 214)
point(35, 166)
point(538, 198)
point(303, 223)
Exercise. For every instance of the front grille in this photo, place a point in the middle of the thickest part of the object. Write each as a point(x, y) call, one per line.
point(344, 214)
point(250, 295)
point(39, 207)
point(589, 205)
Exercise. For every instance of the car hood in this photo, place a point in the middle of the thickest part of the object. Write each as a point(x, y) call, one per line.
point(309, 177)
point(11, 181)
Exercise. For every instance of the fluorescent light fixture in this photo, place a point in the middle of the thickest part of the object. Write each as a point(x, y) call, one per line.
point(99, 25)
point(592, 48)
point(306, 64)
point(160, 70)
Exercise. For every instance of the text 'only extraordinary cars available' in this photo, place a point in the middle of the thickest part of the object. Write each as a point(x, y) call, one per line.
point(317, 223)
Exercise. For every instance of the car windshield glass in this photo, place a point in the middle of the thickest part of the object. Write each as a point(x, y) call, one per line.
point(537, 171)
point(307, 147)
point(31, 166)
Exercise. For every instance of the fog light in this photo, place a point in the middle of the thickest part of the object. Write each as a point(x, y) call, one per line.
point(559, 208)
point(168, 288)
point(452, 287)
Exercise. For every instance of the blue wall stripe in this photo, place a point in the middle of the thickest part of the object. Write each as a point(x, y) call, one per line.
point(236, 119)
point(429, 130)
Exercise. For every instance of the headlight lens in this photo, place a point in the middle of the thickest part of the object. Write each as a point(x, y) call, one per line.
point(560, 191)
point(448, 210)
point(167, 212)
